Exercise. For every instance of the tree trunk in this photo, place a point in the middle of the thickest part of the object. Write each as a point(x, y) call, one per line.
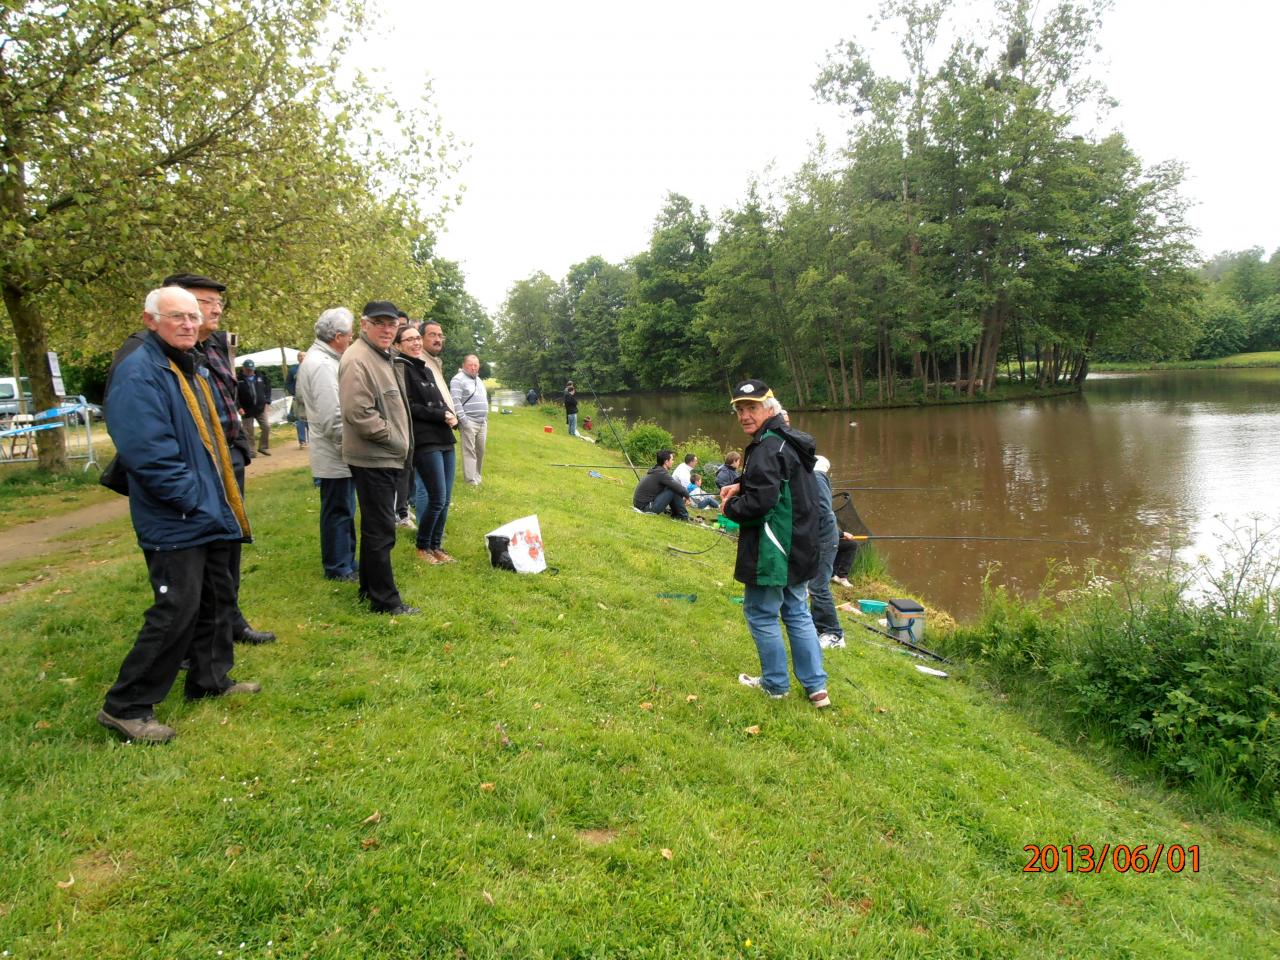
point(33, 347)
point(844, 375)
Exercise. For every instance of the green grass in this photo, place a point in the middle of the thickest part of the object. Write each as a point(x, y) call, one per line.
point(27, 494)
point(560, 766)
point(1269, 358)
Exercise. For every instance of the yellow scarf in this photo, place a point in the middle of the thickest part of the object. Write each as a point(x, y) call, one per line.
point(216, 445)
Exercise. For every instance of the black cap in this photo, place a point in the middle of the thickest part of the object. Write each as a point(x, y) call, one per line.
point(380, 308)
point(755, 390)
point(193, 281)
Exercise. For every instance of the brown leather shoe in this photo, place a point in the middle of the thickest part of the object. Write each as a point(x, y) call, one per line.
point(245, 686)
point(145, 729)
point(442, 557)
point(426, 556)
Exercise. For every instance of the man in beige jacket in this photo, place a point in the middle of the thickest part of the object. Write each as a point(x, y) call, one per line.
point(375, 444)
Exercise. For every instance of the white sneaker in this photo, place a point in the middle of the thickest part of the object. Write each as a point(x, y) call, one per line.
point(405, 522)
point(831, 641)
point(748, 681)
point(843, 581)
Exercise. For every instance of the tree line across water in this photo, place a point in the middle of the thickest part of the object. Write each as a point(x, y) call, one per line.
point(965, 230)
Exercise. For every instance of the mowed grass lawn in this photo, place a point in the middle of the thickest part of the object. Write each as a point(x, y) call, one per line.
point(561, 765)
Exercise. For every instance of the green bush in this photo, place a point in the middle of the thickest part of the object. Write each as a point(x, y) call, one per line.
point(641, 441)
point(1189, 679)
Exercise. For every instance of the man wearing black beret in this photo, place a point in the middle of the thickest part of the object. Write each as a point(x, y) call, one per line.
point(213, 345)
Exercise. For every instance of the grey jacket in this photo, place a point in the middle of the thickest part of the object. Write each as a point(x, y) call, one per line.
point(375, 415)
point(317, 391)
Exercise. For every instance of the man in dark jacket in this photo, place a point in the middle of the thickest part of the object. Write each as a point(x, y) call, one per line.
point(214, 351)
point(213, 345)
point(658, 490)
point(571, 408)
point(254, 396)
point(776, 506)
point(186, 510)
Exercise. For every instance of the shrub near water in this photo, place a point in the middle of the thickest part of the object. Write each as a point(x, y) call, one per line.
point(1189, 682)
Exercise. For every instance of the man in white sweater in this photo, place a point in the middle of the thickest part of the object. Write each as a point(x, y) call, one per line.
point(471, 404)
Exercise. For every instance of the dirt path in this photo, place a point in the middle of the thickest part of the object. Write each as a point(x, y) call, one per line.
point(38, 537)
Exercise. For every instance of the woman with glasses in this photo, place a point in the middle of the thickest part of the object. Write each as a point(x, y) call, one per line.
point(433, 424)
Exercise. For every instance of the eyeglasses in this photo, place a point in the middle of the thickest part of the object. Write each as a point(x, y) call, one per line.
point(382, 321)
point(410, 339)
point(435, 336)
point(180, 317)
point(212, 302)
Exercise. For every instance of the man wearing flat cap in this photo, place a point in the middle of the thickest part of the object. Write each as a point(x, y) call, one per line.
point(213, 353)
point(375, 445)
point(775, 503)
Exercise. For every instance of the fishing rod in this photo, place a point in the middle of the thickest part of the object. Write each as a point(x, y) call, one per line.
point(591, 466)
point(906, 643)
point(845, 489)
point(922, 536)
point(722, 535)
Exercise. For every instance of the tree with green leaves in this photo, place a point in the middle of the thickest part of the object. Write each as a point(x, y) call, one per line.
point(139, 137)
point(594, 295)
point(468, 328)
point(659, 341)
point(526, 335)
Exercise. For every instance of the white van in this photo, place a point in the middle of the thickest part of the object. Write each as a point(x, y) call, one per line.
point(9, 396)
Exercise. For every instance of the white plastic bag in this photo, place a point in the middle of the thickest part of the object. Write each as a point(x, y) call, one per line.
point(523, 545)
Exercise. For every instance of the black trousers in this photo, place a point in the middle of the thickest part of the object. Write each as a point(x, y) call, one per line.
point(846, 550)
point(376, 491)
point(190, 617)
point(404, 490)
point(238, 623)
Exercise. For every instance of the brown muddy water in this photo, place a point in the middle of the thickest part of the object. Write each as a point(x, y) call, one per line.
point(1147, 464)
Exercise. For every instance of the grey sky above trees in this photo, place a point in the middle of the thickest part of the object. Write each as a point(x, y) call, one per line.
point(582, 116)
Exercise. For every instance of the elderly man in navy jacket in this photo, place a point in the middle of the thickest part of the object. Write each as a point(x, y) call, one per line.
point(187, 513)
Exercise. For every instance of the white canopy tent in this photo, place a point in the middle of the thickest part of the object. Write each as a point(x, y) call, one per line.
point(269, 358)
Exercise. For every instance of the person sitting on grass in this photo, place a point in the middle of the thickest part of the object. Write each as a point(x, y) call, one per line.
point(685, 469)
point(701, 500)
point(659, 491)
point(728, 472)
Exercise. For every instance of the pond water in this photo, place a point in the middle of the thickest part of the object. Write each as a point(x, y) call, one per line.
point(1139, 464)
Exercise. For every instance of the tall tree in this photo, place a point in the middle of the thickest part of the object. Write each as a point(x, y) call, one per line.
point(659, 342)
point(595, 293)
point(141, 136)
point(468, 328)
point(527, 329)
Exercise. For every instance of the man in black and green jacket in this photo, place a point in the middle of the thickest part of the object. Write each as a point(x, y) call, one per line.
point(775, 504)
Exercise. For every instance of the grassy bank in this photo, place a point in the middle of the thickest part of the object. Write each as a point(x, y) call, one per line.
point(559, 766)
point(1269, 358)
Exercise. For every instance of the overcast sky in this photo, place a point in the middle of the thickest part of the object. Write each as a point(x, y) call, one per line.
point(580, 117)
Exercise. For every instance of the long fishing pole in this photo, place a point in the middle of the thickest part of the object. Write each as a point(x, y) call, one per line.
point(844, 489)
point(922, 536)
point(590, 466)
point(906, 643)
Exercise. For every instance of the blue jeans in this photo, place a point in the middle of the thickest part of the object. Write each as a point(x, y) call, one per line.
point(825, 618)
point(762, 606)
point(436, 468)
point(337, 526)
point(301, 427)
point(666, 500)
point(573, 423)
point(419, 496)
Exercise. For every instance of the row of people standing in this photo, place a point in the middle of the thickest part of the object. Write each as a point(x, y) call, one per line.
point(383, 420)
